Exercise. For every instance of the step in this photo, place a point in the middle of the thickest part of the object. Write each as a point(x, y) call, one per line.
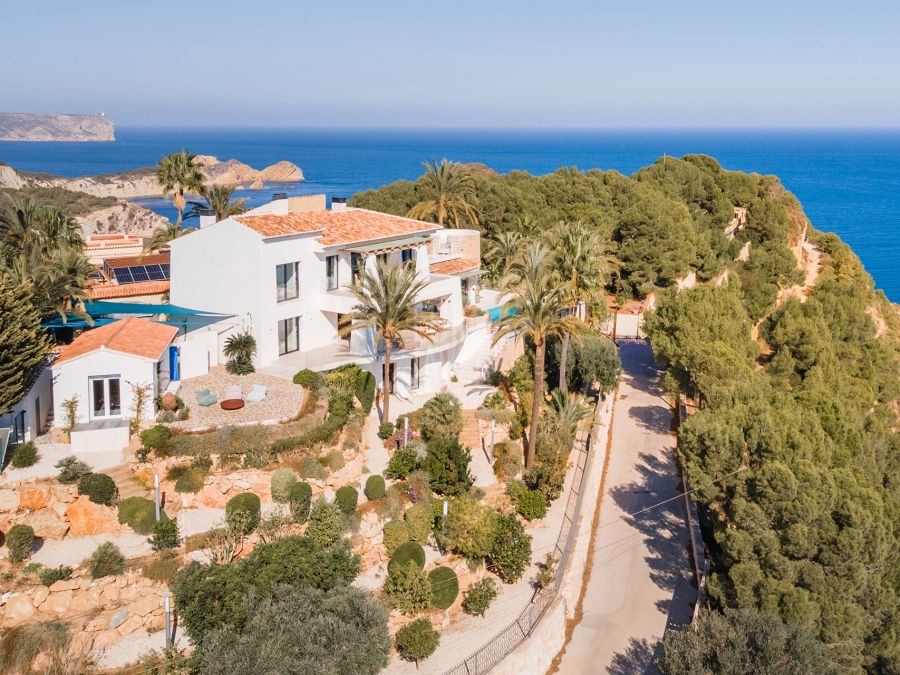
point(123, 477)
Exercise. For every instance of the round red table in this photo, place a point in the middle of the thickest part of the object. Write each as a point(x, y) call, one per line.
point(232, 404)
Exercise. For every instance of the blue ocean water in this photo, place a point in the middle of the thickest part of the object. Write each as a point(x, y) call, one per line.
point(848, 181)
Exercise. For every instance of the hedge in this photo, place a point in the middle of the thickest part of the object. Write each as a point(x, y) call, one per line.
point(309, 379)
point(19, 541)
point(406, 552)
point(374, 487)
point(346, 498)
point(365, 390)
point(444, 587)
point(99, 488)
point(339, 408)
point(244, 503)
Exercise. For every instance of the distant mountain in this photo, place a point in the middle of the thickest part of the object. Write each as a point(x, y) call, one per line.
point(27, 127)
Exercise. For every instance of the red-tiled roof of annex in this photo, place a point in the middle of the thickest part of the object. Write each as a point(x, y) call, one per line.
point(135, 336)
point(163, 258)
point(138, 289)
point(337, 228)
point(455, 266)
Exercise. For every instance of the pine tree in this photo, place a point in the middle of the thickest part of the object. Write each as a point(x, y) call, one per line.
point(23, 343)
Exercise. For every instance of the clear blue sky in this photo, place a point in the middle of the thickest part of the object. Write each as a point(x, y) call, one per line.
point(485, 64)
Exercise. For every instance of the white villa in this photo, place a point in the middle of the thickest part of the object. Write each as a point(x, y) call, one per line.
point(282, 270)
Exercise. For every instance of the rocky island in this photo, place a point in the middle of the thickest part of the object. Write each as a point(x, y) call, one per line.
point(28, 127)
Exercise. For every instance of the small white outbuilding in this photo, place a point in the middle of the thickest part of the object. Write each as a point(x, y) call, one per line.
point(102, 369)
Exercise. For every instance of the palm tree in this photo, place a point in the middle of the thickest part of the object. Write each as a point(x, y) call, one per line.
point(218, 198)
point(536, 310)
point(178, 173)
point(568, 410)
point(501, 251)
point(387, 300)
point(450, 194)
point(583, 267)
point(163, 234)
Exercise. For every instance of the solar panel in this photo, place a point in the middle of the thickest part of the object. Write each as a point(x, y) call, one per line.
point(135, 273)
point(123, 275)
point(139, 273)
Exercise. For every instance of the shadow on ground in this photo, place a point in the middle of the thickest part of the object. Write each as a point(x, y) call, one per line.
point(639, 658)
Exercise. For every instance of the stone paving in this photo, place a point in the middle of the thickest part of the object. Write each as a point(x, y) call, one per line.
point(283, 400)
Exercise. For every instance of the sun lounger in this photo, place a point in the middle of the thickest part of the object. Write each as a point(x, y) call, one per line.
point(205, 398)
point(232, 392)
point(257, 393)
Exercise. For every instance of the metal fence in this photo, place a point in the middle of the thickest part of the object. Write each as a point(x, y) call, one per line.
point(511, 636)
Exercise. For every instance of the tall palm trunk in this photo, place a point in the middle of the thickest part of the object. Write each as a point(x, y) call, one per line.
point(387, 380)
point(539, 352)
point(563, 361)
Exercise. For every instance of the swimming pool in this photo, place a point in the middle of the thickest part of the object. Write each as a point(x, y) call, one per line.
point(496, 313)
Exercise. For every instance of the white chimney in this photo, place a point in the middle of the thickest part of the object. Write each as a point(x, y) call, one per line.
point(207, 217)
point(279, 203)
point(338, 203)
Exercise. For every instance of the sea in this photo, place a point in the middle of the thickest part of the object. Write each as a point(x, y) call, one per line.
point(847, 180)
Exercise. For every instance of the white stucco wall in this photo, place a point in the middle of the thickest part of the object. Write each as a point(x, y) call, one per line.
point(72, 378)
point(36, 404)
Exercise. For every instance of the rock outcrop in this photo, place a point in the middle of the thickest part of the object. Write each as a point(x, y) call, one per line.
point(121, 218)
point(28, 127)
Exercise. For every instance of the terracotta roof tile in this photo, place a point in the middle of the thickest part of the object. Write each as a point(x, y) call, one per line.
point(136, 336)
point(337, 228)
point(139, 288)
point(138, 260)
point(455, 266)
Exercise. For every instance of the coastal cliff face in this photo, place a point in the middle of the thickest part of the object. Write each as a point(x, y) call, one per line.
point(143, 183)
point(27, 127)
point(121, 218)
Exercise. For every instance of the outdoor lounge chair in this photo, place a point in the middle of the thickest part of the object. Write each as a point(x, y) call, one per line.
point(205, 398)
point(232, 393)
point(257, 393)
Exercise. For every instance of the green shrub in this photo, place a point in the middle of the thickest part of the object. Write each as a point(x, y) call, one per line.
point(396, 533)
point(242, 512)
point(419, 520)
point(470, 529)
point(165, 535)
point(24, 455)
point(326, 522)
point(334, 460)
point(176, 471)
point(310, 468)
point(402, 462)
point(309, 379)
point(374, 487)
point(71, 469)
point(190, 480)
point(365, 390)
point(99, 488)
point(444, 587)
point(416, 641)
point(530, 504)
point(300, 500)
point(106, 560)
point(507, 460)
point(50, 575)
point(407, 588)
point(447, 463)
point(441, 416)
point(343, 378)
point(479, 597)
point(19, 541)
point(203, 462)
point(163, 568)
point(511, 552)
point(157, 439)
point(139, 514)
point(385, 430)
point(419, 482)
point(346, 498)
point(282, 480)
point(495, 401)
point(409, 551)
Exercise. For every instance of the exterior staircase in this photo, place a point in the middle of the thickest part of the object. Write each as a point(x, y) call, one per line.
point(125, 482)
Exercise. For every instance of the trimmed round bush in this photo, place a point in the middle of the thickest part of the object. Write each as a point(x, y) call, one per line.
point(25, 455)
point(242, 512)
point(300, 500)
point(139, 514)
point(374, 487)
point(99, 488)
point(309, 379)
point(190, 480)
point(365, 390)
point(106, 560)
point(282, 479)
point(385, 431)
point(396, 533)
point(416, 641)
point(406, 552)
point(479, 597)
point(444, 587)
point(19, 541)
point(346, 498)
point(156, 438)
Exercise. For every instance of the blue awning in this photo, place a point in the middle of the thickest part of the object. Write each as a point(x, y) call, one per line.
point(103, 312)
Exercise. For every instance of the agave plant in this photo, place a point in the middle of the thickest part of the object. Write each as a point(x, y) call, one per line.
point(240, 348)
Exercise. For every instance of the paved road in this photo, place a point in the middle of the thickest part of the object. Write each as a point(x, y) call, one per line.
point(640, 574)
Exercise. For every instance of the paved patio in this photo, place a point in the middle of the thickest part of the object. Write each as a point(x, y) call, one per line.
point(282, 401)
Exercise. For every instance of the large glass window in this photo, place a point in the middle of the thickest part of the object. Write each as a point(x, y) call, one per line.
point(406, 255)
point(331, 272)
point(382, 258)
point(288, 336)
point(106, 397)
point(356, 265)
point(287, 281)
point(414, 367)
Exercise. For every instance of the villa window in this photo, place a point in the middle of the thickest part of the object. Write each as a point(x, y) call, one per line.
point(406, 255)
point(106, 397)
point(331, 273)
point(414, 368)
point(356, 264)
point(382, 258)
point(287, 281)
point(288, 336)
